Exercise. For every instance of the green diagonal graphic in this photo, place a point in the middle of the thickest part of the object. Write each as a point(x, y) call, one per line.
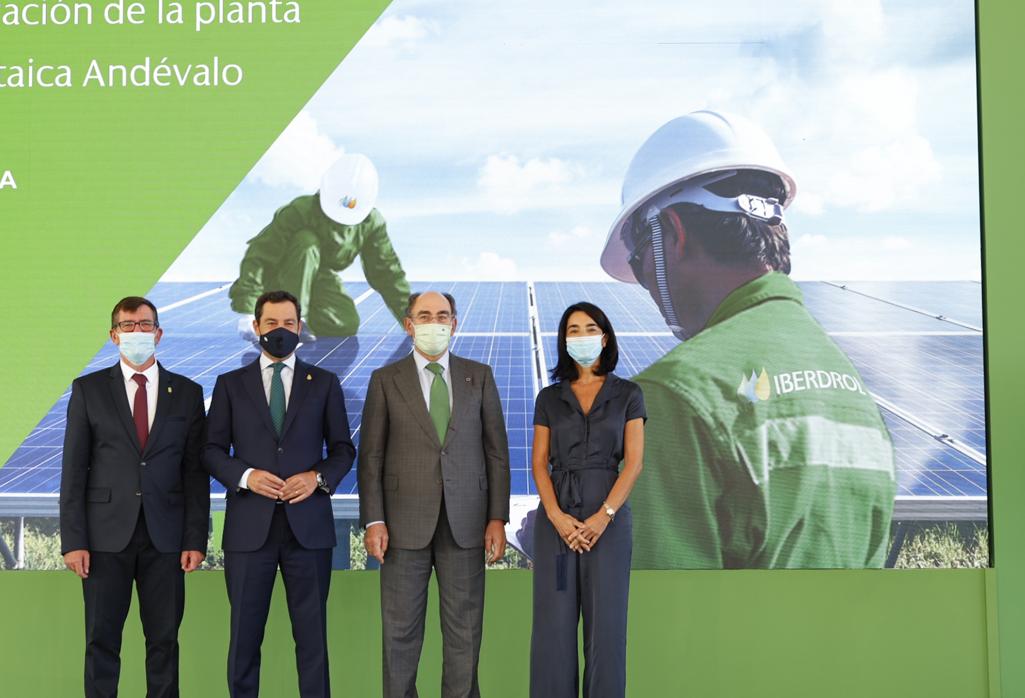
point(114, 182)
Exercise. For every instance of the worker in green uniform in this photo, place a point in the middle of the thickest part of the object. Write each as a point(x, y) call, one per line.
point(313, 238)
point(763, 447)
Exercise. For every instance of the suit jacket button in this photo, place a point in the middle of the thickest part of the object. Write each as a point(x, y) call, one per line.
point(281, 450)
point(143, 463)
point(138, 494)
point(444, 453)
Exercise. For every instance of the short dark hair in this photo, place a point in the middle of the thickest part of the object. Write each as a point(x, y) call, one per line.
point(566, 369)
point(277, 297)
point(733, 238)
point(413, 296)
point(131, 304)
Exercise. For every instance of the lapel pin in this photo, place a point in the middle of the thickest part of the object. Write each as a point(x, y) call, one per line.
point(467, 379)
point(169, 389)
point(309, 377)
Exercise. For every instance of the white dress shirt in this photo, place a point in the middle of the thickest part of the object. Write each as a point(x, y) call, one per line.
point(426, 380)
point(267, 374)
point(152, 380)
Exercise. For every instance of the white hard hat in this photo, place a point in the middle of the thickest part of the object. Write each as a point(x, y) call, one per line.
point(699, 143)
point(348, 190)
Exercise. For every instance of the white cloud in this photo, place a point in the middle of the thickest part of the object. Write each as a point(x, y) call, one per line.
point(567, 239)
point(392, 29)
point(861, 146)
point(853, 257)
point(871, 104)
point(835, 87)
point(298, 158)
point(512, 186)
point(850, 29)
point(491, 266)
point(896, 244)
point(888, 175)
point(810, 240)
point(808, 203)
point(214, 254)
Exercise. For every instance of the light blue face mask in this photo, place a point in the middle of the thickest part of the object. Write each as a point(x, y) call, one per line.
point(137, 347)
point(584, 350)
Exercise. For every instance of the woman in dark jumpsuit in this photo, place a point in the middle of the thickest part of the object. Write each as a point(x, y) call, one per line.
point(584, 426)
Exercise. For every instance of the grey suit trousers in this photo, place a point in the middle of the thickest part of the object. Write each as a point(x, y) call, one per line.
point(405, 576)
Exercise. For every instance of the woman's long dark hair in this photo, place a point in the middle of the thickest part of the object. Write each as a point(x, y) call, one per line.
point(567, 369)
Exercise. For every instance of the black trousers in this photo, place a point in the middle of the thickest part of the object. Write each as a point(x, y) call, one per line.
point(250, 579)
point(108, 594)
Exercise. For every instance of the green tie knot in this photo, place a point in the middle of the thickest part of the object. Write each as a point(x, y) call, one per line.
point(436, 368)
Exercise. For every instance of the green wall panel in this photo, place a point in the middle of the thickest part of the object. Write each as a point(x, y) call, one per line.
point(1001, 64)
point(740, 633)
point(114, 183)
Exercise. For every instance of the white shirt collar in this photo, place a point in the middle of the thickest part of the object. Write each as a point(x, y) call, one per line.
point(422, 361)
point(266, 361)
point(152, 373)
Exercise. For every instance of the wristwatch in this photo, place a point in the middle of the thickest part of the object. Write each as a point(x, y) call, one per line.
point(322, 483)
point(609, 511)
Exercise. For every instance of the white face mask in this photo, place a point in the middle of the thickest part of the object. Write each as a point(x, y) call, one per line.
point(431, 338)
point(584, 350)
point(137, 347)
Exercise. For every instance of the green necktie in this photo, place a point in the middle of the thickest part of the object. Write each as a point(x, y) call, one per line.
point(439, 408)
point(277, 397)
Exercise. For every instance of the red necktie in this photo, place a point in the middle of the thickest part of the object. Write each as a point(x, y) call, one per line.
point(140, 410)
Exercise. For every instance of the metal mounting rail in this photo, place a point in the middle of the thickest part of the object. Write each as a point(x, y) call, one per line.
point(540, 375)
point(920, 311)
point(940, 435)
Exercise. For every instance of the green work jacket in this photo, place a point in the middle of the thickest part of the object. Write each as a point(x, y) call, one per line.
point(339, 247)
point(763, 448)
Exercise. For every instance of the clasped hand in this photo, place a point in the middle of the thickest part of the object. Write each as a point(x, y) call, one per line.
point(293, 490)
point(580, 536)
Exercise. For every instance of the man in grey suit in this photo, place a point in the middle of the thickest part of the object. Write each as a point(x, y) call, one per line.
point(433, 492)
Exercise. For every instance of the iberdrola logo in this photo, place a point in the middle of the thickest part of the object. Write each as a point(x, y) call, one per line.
point(349, 201)
point(755, 387)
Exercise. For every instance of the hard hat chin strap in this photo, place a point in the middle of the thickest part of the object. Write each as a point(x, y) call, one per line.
point(661, 278)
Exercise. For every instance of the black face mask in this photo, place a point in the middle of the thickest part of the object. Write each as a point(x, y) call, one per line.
point(279, 342)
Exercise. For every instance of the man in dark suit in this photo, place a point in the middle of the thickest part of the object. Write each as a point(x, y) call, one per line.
point(268, 426)
point(433, 492)
point(134, 502)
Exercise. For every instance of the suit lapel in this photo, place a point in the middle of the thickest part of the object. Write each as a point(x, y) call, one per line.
point(254, 386)
point(165, 394)
point(301, 378)
point(120, 398)
point(408, 383)
point(462, 388)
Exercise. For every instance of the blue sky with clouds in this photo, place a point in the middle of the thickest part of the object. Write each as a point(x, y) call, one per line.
point(502, 131)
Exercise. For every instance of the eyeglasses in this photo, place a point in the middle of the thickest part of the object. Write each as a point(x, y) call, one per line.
point(130, 325)
point(441, 318)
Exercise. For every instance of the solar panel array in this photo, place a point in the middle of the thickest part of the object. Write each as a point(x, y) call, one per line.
point(915, 343)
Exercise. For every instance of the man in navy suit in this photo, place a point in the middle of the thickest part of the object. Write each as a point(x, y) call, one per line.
point(134, 501)
point(267, 430)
